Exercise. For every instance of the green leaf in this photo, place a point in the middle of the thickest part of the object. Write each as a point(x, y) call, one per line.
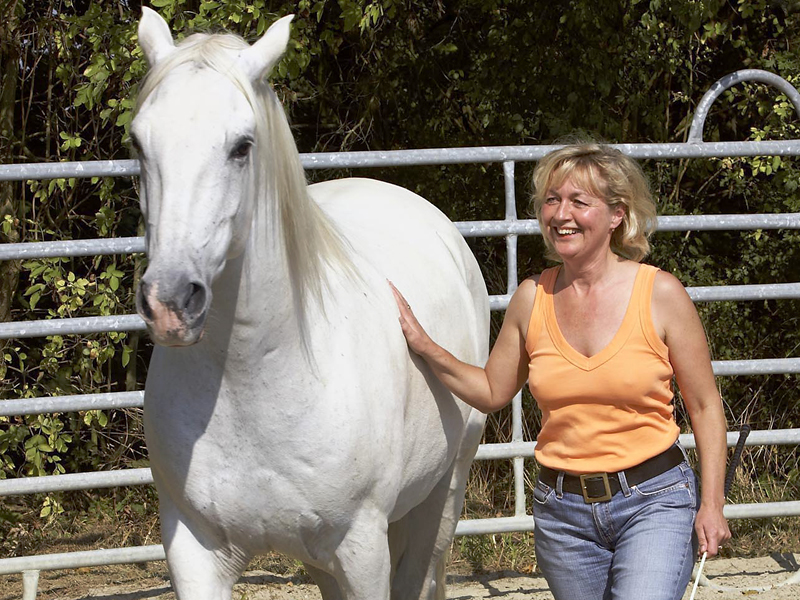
point(126, 355)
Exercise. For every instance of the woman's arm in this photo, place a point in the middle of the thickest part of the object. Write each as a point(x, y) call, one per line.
point(490, 388)
point(677, 320)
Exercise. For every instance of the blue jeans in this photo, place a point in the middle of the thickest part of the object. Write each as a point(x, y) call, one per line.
point(640, 544)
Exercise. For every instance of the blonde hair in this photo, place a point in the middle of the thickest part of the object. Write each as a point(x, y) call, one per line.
point(607, 173)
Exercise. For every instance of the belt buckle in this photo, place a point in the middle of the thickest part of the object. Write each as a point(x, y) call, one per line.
point(591, 499)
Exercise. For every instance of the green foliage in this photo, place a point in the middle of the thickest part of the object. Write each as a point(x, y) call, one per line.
point(384, 74)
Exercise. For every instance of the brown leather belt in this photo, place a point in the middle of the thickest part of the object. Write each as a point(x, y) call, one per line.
point(600, 487)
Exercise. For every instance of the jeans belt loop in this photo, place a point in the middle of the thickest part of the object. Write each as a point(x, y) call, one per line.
point(560, 485)
point(592, 499)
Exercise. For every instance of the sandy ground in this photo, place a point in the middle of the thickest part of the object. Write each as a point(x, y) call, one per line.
point(150, 582)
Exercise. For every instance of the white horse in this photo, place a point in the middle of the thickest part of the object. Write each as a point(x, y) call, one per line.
point(283, 410)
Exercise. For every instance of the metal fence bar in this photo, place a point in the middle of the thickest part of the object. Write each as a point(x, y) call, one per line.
point(75, 481)
point(666, 223)
point(54, 404)
point(131, 245)
point(66, 169)
point(80, 325)
point(762, 510)
point(700, 113)
point(767, 291)
point(132, 322)
point(68, 248)
point(75, 560)
point(518, 450)
point(138, 554)
point(511, 287)
point(764, 437)
point(732, 511)
point(420, 157)
point(764, 366)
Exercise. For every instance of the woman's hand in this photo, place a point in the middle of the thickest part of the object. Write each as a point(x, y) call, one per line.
point(416, 336)
point(712, 529)
point(490, 388)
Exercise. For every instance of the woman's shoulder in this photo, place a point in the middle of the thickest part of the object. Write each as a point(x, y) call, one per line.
point(667, 286)
point(670, 297)
point(537, 278)
point(531, 281)
point(521, 303)
point(527, 289)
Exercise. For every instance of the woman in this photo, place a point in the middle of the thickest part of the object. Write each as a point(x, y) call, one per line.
point(599, 338)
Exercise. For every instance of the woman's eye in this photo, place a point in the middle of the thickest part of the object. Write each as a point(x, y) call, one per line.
point(551, 200)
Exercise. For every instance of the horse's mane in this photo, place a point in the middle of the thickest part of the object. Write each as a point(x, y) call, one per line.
point(311, 243)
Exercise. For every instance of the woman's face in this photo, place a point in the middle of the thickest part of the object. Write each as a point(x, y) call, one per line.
point(578, 223)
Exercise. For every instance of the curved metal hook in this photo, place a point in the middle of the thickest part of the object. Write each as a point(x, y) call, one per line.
point(696, 130)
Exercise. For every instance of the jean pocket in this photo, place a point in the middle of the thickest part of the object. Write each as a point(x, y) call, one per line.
point(542, 493)
point(675, 479)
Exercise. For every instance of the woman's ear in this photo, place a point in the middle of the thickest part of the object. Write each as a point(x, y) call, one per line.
point(618, 212)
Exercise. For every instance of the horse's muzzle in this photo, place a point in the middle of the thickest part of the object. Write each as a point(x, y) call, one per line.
point(174, 309)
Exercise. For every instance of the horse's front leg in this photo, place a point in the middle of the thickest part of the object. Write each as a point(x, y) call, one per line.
point(363, 563)
point(200, 567)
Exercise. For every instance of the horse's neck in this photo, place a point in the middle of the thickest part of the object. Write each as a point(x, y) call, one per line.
point(253, 314)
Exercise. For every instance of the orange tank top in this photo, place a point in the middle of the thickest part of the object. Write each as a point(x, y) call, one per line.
point(607, 412)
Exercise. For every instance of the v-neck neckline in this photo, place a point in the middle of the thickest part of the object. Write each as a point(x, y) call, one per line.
point(589, 363)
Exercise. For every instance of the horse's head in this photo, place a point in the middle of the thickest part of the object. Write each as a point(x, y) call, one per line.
point(195, 132)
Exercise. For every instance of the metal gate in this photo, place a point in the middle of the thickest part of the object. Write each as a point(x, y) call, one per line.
point(510, 227)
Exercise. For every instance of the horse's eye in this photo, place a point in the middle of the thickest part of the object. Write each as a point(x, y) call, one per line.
point(242, 149)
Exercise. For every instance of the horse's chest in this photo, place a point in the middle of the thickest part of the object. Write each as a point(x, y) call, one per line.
point(254, 469)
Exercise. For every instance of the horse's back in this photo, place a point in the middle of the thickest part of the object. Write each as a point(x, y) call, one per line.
point(408, 240)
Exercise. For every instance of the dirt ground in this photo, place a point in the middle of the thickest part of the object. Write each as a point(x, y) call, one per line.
point(150, 582)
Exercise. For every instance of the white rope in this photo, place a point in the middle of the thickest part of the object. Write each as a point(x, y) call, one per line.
point(699, 573)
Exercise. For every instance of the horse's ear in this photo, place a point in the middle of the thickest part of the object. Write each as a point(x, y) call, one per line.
point(259, 58)
point(155, 37)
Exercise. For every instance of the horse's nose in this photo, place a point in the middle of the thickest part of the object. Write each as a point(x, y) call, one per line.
point(174, 305)
point(143, 304)
point(184, 298)
point(192, 300)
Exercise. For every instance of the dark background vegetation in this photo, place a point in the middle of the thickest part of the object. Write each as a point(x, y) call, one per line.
point(381, 75)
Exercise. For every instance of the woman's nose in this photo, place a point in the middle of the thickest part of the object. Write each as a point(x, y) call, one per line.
point(563, 213)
